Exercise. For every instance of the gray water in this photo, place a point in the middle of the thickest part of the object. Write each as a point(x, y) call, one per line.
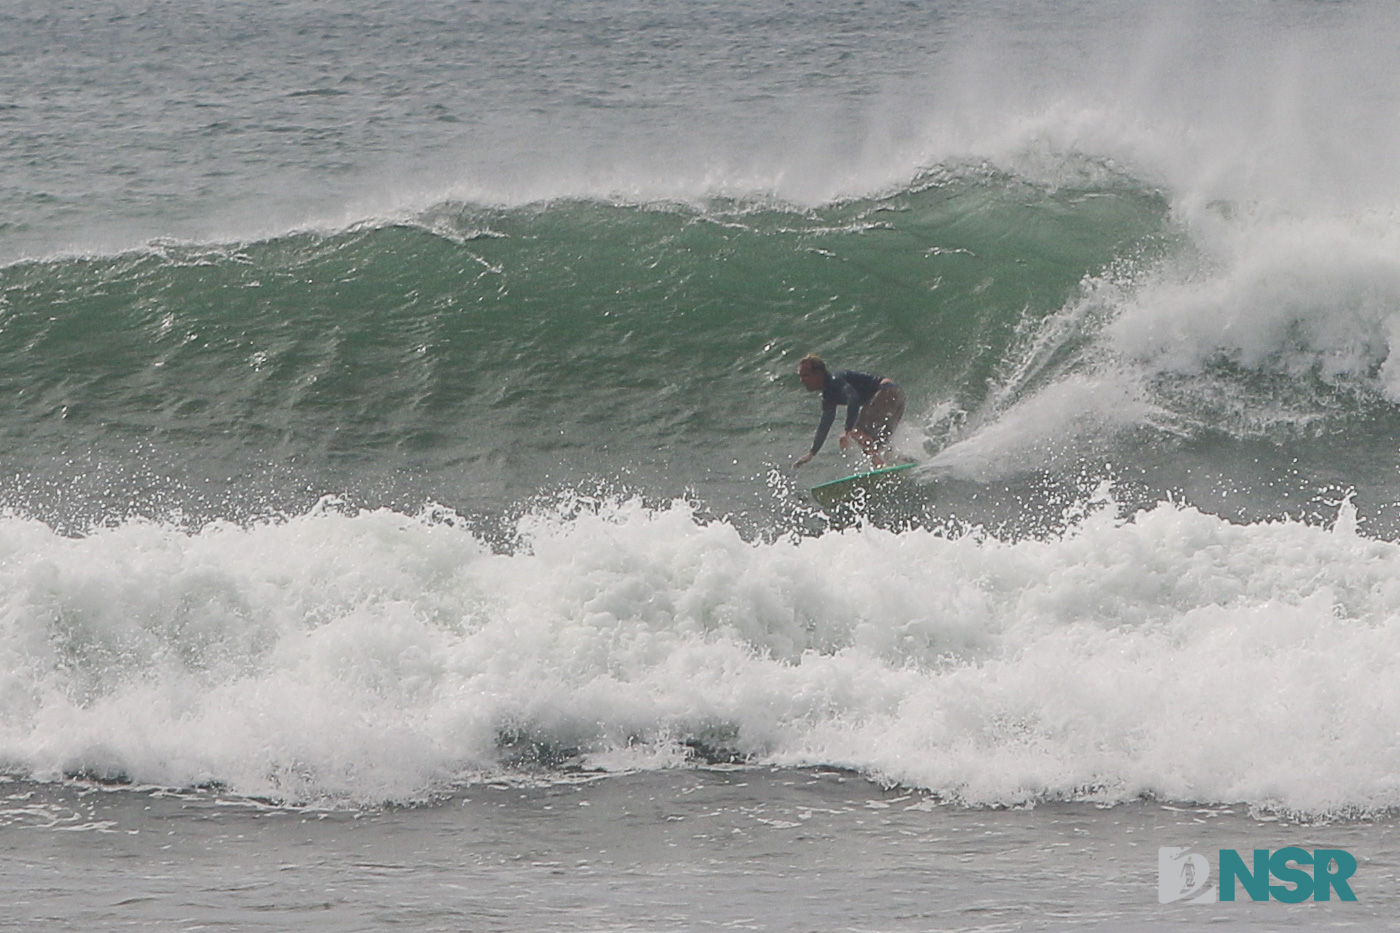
point(696, 849)
point(133, 119)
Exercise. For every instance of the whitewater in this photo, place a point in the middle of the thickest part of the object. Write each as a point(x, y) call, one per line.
point(375, 657)
point(398, 524)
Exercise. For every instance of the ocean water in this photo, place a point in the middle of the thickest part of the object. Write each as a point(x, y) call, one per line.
point(398, 526)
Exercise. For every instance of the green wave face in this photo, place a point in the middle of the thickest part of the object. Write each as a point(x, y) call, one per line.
point(478, 356)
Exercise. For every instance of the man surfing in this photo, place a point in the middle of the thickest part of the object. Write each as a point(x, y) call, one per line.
point(874, 407)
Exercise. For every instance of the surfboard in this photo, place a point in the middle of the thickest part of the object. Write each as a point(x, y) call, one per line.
point(847, 489)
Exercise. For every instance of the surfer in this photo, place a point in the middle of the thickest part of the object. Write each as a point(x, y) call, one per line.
point(874, 405)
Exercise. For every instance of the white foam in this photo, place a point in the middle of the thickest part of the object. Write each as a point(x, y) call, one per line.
point(1314, 301)
point(375, 656)
point(1296, 296)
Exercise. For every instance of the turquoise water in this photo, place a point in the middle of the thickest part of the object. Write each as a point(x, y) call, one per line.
point(586, 246)
point(477, 357)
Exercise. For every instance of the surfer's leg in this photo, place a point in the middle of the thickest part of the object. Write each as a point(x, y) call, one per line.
point(868, 446)
point(877, 422)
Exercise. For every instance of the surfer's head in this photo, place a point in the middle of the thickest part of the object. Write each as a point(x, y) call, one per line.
point(812, 371)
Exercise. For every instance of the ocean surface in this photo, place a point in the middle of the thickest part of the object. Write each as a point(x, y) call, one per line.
point(398, 525)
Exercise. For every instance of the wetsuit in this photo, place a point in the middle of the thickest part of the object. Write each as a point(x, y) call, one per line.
point(850, 388)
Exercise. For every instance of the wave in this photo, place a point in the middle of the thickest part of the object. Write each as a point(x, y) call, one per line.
point(500, 343)
point(1039, 329)
point(364, 657)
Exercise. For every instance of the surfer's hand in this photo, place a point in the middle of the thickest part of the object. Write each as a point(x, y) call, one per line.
point(845, 440)
point(805, 458)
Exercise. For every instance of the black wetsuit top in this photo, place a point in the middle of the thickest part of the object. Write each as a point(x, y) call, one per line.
point(844, 387)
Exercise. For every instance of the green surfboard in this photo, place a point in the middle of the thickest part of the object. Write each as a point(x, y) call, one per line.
point(848, 489)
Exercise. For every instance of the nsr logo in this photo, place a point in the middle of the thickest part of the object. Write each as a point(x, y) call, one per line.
point(1182, 876)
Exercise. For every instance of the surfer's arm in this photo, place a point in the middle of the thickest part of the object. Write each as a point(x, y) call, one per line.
point(828, 419)
point(852, 415)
